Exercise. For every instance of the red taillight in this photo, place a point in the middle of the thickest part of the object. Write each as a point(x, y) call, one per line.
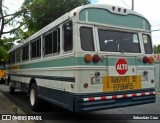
point(96, 58)
point(145, 59)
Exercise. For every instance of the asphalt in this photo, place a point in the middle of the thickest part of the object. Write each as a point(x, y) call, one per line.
point(7, 107)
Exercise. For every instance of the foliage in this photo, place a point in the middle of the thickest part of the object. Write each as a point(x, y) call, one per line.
point(156, 48)
point(42, 12)
point(31, 17)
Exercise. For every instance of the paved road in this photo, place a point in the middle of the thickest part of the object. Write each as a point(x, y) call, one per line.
point(22, 100)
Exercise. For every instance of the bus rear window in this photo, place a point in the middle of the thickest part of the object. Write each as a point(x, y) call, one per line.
point(86, 35)
point(115, 41)
point(147, 44)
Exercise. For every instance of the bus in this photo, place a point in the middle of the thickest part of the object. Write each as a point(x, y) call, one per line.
point(2, 72)
point(94, 57)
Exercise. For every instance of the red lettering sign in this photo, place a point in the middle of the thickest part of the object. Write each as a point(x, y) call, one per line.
point(121, 66)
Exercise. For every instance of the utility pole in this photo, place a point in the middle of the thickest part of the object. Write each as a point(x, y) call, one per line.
point(132, 4)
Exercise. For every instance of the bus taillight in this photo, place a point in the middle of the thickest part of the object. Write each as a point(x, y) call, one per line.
point(96, 58)
point(145, 59)
point(87, 58)
point(150, 59)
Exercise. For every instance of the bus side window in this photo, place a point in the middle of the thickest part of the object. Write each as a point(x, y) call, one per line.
point(25, 55)
point(12, 57)
point(18, 57)
point(68, 36)
point(147, 44)
point(36, 48)
point(56, 40)
point(48, 43)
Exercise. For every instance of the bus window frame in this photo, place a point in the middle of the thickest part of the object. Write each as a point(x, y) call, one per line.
point(148, 34)
point(119, 30)
point(28, 43)
point(35, 40)
point(43, 42)
point(94, 37)
point(73, 43)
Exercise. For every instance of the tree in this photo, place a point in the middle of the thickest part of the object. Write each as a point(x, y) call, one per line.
point(42, 12)
point(156, 48)
point(34, 14)
point(9, 20)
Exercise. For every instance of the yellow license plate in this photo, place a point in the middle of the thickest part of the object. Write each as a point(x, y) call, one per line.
point(121, 83)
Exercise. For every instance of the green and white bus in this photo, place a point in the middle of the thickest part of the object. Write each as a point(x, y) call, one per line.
point(95, 57)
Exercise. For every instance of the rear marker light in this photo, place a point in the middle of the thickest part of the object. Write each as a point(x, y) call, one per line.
point(113, 8)
point(85, 85)
point(119, 9)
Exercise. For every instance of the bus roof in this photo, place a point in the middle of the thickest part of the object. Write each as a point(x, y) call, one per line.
point(111, 8)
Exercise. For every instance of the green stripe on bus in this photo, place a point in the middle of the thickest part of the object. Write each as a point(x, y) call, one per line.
point(72, 61)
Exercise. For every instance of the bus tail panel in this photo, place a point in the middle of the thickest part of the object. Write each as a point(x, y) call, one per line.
point(93, 102)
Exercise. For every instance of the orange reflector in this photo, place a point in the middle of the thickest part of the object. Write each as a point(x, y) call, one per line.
point(150, 59)
point(87, 58)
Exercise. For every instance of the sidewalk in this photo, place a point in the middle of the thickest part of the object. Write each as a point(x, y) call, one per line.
point(7, 107)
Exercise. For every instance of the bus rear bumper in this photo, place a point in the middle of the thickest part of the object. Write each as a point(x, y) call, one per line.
point(93, 102)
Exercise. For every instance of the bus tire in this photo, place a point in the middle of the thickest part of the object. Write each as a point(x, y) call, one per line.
point(11, 90)
point(33, 98)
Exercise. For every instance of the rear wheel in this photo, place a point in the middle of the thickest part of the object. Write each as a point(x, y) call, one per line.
point(33, 96)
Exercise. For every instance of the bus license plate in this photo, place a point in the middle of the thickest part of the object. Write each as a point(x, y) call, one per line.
point(121, 83)
point(96, 80)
